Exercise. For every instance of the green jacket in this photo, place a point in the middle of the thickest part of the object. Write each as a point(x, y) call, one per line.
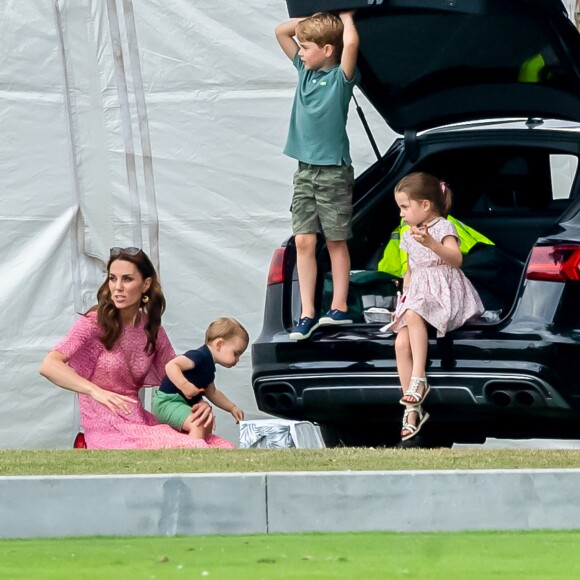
point(394, 260)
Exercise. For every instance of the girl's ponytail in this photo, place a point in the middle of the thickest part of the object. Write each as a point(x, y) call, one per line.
point(446, 198)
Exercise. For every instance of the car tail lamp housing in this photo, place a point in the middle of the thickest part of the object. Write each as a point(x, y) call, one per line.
point(555, 263)
point(276, 272)
point(79, 442)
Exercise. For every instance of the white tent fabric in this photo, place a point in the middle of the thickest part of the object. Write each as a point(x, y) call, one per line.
point(572, 6)
point(158, 124)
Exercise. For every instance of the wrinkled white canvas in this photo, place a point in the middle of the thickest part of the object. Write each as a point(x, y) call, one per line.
point(75, 177)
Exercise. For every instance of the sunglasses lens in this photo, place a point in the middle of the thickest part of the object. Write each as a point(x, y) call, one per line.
point(131, 251)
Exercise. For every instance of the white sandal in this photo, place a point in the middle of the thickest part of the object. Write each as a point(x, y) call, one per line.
point(413, 429)
point(412, 391)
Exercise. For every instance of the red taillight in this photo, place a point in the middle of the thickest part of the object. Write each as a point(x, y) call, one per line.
point(558, 263)
point(276, 272)
point(80, 441)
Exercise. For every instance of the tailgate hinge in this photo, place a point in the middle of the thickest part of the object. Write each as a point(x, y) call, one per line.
point(411, 144)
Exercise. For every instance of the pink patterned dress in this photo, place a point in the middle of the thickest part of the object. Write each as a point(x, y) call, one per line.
point(124, 370)
point(440, 294)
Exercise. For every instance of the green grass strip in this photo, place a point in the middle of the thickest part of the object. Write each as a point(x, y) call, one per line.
point(474, 555)
point(83, 462)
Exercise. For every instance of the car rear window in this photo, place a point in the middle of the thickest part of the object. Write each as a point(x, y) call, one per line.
point(528, 181)
point(563, 170)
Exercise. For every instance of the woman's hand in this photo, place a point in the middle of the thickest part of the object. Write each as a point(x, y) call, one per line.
point(202, 414)
point(55, 368)
point(117, 404)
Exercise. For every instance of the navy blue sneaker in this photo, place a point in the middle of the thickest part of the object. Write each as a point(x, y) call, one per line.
point(305, 327)
point(335, 317)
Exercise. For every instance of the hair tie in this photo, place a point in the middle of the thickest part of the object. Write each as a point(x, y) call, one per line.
point(442, 186)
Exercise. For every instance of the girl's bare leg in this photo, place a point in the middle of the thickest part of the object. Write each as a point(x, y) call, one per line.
point(419, 342)
point(404, 357)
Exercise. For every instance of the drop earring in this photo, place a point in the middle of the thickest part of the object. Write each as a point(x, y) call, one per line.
point(144, 298)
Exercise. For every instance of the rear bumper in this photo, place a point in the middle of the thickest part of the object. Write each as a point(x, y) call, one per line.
point(465, 406)
point(322, 395)
point(497, 388)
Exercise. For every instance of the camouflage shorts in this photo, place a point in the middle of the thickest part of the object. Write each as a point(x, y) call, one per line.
point(322, 200)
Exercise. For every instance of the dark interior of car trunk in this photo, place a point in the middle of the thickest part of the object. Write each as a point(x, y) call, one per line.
point(506, 193)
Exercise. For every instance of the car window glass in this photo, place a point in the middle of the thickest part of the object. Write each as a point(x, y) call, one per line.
point(563, 169)
point(520, 183)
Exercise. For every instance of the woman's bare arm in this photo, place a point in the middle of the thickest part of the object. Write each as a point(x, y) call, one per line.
point(54, 367)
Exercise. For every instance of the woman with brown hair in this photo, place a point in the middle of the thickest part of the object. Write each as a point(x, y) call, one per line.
point(112, 351)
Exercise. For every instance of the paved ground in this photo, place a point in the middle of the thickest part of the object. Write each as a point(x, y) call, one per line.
point(527, 444)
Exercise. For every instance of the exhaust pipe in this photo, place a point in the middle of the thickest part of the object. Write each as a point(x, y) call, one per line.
point(276, 398)
point(523, 398)
point(527, 398)
point(501, 398)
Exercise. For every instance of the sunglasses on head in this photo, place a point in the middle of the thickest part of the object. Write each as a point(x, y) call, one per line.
point(131, 251)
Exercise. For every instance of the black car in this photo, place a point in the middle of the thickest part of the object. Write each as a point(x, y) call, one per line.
point(486, 96)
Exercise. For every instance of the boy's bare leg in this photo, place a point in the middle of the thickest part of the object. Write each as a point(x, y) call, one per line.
point(201, 421)
point(307, 270)
point(193, 429)
point(340, 266)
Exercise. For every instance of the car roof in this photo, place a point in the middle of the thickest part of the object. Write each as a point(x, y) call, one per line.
point(427, 63)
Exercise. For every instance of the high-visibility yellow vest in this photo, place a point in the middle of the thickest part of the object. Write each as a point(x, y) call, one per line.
point(394, 260)
point(531, 69)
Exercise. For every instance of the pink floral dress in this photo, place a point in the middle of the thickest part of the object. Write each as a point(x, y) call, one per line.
point(442, 295)
point(124, 370)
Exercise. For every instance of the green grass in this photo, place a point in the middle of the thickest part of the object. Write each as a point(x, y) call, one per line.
point(73, 462)
point(474, 555)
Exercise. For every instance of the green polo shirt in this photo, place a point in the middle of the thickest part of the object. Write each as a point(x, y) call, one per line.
point(317, 132)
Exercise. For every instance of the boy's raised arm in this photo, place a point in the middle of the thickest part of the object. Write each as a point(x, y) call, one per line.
point(285, 36)
point(350, 42)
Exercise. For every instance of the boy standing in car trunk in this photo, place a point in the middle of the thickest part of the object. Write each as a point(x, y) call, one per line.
point(325, 57)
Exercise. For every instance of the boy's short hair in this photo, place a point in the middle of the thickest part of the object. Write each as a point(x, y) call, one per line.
point(321, 28)
point(226, 328)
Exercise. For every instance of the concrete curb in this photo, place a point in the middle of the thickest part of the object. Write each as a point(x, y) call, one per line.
point(260, 503)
